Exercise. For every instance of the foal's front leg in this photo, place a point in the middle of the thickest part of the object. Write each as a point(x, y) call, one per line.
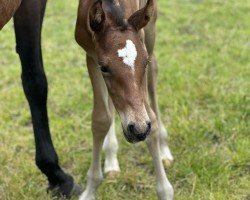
point(101, 122)
point(110, 147)
point(163, 186)
point(166, 155)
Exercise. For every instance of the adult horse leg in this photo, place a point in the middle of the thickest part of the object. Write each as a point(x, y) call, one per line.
point(152, 81)
point(28, 23)
point(110, 147)
point(101, 123)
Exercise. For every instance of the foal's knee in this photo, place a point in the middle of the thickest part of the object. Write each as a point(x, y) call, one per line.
point(101, 123)
point(154, 135)
point(154, 123)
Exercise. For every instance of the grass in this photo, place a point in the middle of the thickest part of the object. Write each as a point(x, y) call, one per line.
point(204, 94)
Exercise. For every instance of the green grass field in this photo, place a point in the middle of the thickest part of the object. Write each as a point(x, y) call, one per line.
point(203, 50)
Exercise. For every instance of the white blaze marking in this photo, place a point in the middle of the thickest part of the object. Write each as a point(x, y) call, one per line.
point(129, 54)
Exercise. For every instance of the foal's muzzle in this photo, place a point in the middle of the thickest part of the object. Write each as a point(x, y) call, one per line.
point(135, 133)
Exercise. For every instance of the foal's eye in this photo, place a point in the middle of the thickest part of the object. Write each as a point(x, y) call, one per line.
point(105, 69)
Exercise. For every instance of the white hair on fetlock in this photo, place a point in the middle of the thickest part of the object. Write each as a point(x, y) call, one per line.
point(128, 54)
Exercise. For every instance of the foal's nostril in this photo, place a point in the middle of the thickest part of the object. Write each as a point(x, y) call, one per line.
point(149, 127)
point(131, 128)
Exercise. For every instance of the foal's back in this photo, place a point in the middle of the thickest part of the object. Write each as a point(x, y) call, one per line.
point(7, 10)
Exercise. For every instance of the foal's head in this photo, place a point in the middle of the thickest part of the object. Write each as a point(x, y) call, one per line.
point(123, 61)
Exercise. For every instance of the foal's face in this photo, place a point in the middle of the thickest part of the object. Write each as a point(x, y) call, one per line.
point(123, 61)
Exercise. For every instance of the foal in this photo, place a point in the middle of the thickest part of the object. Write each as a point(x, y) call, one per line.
point(119, 43)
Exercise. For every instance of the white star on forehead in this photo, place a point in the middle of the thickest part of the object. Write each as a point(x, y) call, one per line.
point(129, 54)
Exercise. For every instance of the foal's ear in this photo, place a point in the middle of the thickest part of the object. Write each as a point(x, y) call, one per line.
point(141, 17)
point(96, 17)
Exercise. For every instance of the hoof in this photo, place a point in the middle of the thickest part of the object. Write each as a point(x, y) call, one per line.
point(166, 163)
point(66, 189)
point(112, 174)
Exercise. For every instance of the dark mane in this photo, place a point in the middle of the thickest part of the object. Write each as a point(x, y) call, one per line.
point(117, 12)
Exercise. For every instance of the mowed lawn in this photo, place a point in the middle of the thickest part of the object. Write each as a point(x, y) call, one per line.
point(203, 51)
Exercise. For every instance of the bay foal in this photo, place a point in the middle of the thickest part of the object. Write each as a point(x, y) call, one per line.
point(118, 37)
point(28, 19)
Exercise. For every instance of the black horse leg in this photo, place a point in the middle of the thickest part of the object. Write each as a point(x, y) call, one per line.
point(28, 22)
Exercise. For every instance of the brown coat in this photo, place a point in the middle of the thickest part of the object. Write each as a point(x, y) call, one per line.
point(7, 10)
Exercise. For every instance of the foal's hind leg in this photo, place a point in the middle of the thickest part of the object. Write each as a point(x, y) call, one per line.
point(152, 76)
point(28, 21)
point(110, 147)
point(101, 122)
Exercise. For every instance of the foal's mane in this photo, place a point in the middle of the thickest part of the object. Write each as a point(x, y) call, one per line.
point(116, 11)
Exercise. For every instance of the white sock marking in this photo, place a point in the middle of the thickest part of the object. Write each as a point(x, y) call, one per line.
point(129, 54)
point(110, 146)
